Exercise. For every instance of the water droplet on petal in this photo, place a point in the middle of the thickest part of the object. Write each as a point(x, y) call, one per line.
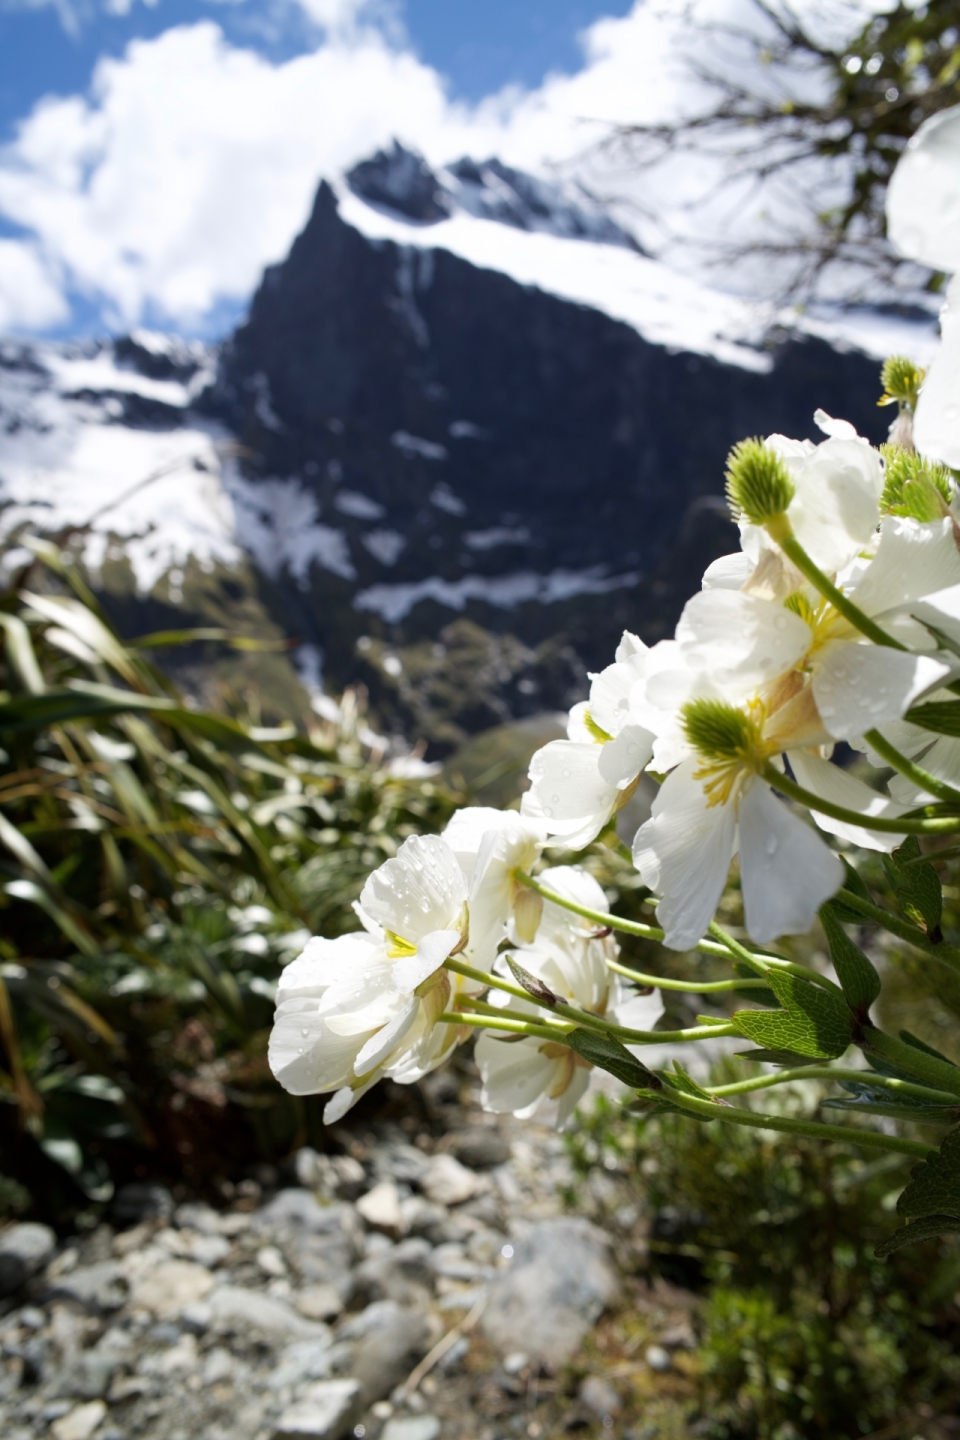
point(548, 812)
point(566, 774)
point(771, 845)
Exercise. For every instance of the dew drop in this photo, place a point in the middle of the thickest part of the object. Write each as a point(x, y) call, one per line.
point(827, 710)
point(771, 845)
point(555, 799)
point(548, 812)
point(304, 1032)
point(566, 774)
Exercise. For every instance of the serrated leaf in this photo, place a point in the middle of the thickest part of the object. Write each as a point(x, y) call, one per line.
point(608, 1054)
point(929, 1228)
point(680, 1080)
point(813, 1021)
point(534, 986)
point(916, 886)
point(785, 1059)
point(910, 1039)
point(934, 1187)
point(857, 976)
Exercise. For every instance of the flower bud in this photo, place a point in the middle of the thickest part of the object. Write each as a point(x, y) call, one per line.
point(759, 487)
point(901, 380)
point(913, 487)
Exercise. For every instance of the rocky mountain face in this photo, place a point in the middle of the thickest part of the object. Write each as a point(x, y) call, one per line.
point(448, 482)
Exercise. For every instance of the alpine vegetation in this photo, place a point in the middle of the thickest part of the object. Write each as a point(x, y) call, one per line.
point(838, 620)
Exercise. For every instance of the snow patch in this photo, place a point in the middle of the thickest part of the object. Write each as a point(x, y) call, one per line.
point(394, 602)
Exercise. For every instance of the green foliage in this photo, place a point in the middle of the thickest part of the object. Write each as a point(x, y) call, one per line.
point(608, 1054)
point(813, 1021)
point(803, 1330)
point(914, 487)
point(158, 866)
point(857, 975)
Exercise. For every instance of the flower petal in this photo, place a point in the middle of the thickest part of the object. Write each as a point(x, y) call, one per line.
point(860, 687)
point(786, 870)
point(912, 562)
point(741, 639)
point(683, 852)
point(729, 572)
point(568, 791)
point(379, 1047)
point(936, 425)
point(420, 890)
point(830, 782)
point(620, 761)
point(923, 198)
point(411, 970)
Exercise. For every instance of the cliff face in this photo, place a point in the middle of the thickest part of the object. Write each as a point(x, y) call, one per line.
point(491, 451)
point(467, 435)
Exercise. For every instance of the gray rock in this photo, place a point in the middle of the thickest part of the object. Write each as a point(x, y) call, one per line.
point(399, 1272)
point(303, 1360)
point(79, 1423)
point(24, 1249)
point(326, 1412)
point(88, 1378)
point(380, 1208)
point(170, 1287)
point(558, 1283)
point(447, 1182)
point(387, 1354)
point(196, 1216)
point(141, 1201)
point(657, 1358)
point(319, 1302)
point(250, 1311)
point(411, 1427)
point(481, 1147)
point(404, 1163)
point(96, 1287)
point(599, 1397)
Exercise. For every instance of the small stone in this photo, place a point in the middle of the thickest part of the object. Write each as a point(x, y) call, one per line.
point(89, 1377)
point(657, 1358)
point(194, 1215)
point(318, 1302)
point(447, 1182)
point(96, 1287)
point(411, 1427)
point(382, 1410)
point(558, 1282)
point(679, 1337)
point(481, 1147)
point(388, 1353)
point(24, 1249)
point(249, 1311)
point(294, 1209)
point(141, 1201)
point(599, 1397)
point(170, 1287)
point(516, 1362)
point(325, 1412)
point(79, 1423)
point(303, 1360)
point(380, 1207)
point(271, 1262)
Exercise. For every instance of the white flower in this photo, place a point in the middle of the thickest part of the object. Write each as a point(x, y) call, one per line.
point(490, 845)
point(707, 809)
point(578, 784)
point(520, 1076)
point(836, 504)
point(341, 1022)
point(923, 221)
point(419, 899)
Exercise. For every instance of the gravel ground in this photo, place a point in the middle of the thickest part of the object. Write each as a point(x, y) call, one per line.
point(410, 1287)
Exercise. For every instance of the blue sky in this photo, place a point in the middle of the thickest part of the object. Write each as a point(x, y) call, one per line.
point(53, 48)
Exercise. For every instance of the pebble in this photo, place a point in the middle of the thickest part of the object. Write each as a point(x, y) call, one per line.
point(24, 1249)
point(657, 1358)
point(481, 1147)
point(232, 1307)
point(170, 1287)
point(318, 1302)
point(411, 1427)
point(79, 1423)
point(101, 1286)
point(447, 1182)
point(380, 1207)
point(326, 1412)
point(599, 1397)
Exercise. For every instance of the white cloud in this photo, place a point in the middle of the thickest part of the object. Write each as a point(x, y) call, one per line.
point(29, 297)
point(192, 162)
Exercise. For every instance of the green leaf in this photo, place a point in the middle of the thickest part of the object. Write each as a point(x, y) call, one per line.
point(940, 716)
point(928, 1228)
point(608, 1054)
point(813, 1021)
point(680, 1080)
point(859, 979)
point(916, 885)
point(533, 986)
point(934, 1187)
point(21, 654)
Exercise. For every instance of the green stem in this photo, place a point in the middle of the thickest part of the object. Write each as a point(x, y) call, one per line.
point(781, 531)
point(694, 987)
point(827, 1072)
point(930, 1068)
point(512, 1027)
point(915, 773)
point(948, 955)
point(847, 1134)
point(764, 963)
point(480, 1007)
point(583, 1018)
point(607, 921)
point(904, 825)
